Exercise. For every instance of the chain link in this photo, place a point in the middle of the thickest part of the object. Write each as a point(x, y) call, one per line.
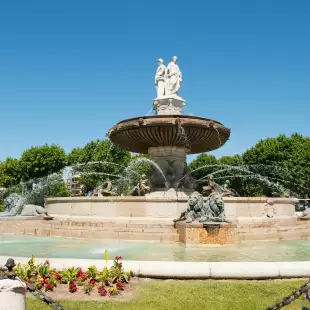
point(48, 300)
point(304, 289)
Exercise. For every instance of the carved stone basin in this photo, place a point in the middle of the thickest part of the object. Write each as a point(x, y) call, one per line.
point(196, 134)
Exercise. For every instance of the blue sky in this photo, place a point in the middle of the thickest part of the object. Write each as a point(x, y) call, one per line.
point(69, 70)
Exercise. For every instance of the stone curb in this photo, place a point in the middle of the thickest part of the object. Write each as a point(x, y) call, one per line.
point(191, 270)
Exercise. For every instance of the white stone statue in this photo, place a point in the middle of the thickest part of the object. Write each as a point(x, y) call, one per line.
point(173, 78)
point(160, 78)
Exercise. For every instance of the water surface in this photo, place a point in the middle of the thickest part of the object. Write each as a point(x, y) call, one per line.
point(134, 250)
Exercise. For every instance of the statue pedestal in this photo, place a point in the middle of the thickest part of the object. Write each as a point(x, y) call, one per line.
point(170, 105)
point(207, 233)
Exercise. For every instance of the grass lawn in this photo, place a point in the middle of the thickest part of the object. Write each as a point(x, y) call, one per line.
point(192, 295)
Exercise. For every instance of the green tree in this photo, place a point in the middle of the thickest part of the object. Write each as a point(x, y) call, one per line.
point(10, 172)
point(200, 167)
point(98, 160)
point(40, 161)
point(58, 189)
point(284, 160)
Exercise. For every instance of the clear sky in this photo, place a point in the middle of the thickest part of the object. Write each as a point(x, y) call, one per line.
point(69, 70)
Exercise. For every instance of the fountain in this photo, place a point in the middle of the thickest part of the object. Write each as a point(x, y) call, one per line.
point(218, 216)
point(169, 135)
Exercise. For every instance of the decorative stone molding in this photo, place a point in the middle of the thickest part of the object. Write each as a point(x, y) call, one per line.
point(172, 105)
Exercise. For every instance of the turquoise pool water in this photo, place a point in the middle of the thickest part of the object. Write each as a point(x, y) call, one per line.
point(94, 249)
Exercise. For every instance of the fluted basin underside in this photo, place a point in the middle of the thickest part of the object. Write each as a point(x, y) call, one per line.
point(198, 134)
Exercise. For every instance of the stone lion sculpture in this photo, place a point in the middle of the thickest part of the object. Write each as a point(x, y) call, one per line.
point(212, 210)
point(194, 209)
point(15, 205)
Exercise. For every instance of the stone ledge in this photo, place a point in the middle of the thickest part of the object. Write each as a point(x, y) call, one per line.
point(190, 270)
point(166, 199)
point(21, 218)
point(204, 225)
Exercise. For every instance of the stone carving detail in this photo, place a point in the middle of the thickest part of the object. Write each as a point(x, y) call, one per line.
point(303, 206)
point(142, 188)
point(211, 210)
point(229, 192)
point(107, 189)
point(15, 205)
point(210, 187)
point(174, 169)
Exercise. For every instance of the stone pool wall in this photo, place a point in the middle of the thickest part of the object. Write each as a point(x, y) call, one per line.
point(236, 208)
point(142, 218)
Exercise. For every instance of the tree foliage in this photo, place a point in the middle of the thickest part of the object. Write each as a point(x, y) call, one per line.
point(98, 160)
point(40, 161)
point(288, 161)
point(266, 169)
point(263, 170)
point(10, 172)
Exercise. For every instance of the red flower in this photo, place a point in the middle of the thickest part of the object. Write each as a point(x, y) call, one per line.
point(47, 262)
point(80, 271)
point(58, 276)
point(102, 291)
point(92, 282)
point(72, 288)
point(49, 287)
point(120, 265)
point(119, 285)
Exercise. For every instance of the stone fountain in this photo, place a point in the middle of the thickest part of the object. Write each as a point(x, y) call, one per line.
point(169, 190)
point(169, 135)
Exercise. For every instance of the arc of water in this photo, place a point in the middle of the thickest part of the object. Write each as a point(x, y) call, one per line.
point(259, 177)
point(203, 167)
point(241, 168)
point(103, 173)
point(97, 162)
point(218, 136)
point(153, 163)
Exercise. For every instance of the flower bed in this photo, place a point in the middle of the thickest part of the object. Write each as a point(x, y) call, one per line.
point(107, 282)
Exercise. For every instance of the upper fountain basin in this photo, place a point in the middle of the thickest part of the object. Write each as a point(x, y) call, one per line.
point(198, 134)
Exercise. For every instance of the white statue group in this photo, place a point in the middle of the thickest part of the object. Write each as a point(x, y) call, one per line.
point(168, 79)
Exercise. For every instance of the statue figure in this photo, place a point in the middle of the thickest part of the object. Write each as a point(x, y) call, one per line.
point(210, 187)
point(194, 208)
point(107, 188)
point(305, 215)
point(212, 210)
point(15, 205)
point(142, 188)
point(144, 185)
point(173, 78)
point(304, 206)
point(160, 78)
point(227, 191)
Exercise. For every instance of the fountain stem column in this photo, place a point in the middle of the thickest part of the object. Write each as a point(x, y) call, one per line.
point(172, 162)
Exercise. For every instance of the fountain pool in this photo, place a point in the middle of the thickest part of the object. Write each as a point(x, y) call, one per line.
point(56, 247)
